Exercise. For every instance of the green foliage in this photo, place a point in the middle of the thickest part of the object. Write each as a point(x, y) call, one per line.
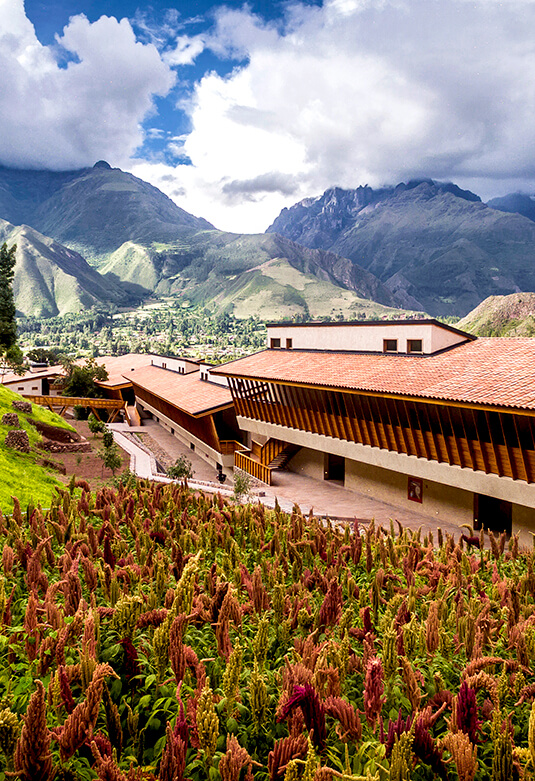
point(111, 457)
point(21, 473)
point(181, 469)
point(107, 436)
point(8, 323)
point(242, 485)
point(81, 380)
point(126, 479)
point(96, 426)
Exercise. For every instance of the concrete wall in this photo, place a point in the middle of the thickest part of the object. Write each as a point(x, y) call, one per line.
point(524, 523)
point(438, 501)
point(203, 450)
point(179, 365)
point(309, 463)
point(31, 385)
point(363, 337)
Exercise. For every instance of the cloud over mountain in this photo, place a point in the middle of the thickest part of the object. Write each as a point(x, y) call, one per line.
point(347, 93)
point(67, 105)
point(363, 91)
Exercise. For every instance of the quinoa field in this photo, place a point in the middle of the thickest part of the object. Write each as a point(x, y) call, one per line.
point(152, 633)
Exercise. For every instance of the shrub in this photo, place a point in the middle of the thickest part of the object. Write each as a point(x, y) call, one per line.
point(96, 426)
point(181, 469)
point(242, 485)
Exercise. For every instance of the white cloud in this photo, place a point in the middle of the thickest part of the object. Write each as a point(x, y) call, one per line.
point(68, 117)
point(185, 51)
point(353, 92)
point(361, 91)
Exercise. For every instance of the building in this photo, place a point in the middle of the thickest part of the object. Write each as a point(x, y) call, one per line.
point(183, 397)
point(411, 411)
point(39, 380)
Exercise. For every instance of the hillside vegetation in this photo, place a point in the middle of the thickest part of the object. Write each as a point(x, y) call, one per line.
point(512, 315)
point(21, 474)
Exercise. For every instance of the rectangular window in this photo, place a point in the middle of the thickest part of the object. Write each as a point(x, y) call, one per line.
point(414, 345)
point(288, 344)
point(390, 345)
point(275, 343)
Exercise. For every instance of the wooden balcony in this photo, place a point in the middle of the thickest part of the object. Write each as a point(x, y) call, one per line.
point(230, 446)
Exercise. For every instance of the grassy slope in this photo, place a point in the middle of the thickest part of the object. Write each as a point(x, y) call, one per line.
point(20, 474)
point(512, 315)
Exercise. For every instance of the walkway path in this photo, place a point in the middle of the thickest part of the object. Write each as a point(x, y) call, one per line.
point(322, 497)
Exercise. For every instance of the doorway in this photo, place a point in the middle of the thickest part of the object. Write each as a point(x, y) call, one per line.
point(493, 514)
point(335, 468)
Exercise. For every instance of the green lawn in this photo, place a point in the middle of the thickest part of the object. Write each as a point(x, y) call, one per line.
point(20, 473)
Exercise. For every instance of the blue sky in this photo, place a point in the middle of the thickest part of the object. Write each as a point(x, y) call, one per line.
point(238, 110)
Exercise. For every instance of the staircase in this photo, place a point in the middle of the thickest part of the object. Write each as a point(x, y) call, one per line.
point(132, 416)
point(283, 456)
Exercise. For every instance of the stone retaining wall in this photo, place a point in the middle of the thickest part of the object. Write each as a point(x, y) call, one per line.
point(55, 433)
point(18, 439)
point(64, 447)
point(22, 406)
point(10, 419)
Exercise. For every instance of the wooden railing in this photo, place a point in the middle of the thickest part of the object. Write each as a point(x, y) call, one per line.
point(254, 468)
point(271, 449)
point(61, 403)
point(229, 446)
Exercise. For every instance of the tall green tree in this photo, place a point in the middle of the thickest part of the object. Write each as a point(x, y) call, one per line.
point(8, 323)
point(10, 353)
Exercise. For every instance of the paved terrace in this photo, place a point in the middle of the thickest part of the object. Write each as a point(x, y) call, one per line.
point(322, 497)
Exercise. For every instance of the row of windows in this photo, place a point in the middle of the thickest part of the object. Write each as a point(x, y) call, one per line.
point(389, 345)
point(275, 344)
point(413, 346)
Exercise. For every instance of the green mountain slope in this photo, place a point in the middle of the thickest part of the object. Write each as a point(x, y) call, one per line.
point(436, 247)
point(51, 279)
point(230, 268)
point(145, 244)
point(512, 315)
point(95, 210)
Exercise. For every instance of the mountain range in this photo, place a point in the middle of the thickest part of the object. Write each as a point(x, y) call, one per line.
point(434, 246)
point(102, 235)
point(139, 243)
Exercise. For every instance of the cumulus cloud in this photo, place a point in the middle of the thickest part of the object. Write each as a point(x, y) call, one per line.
point(347, 93)
point(361, 91)
point(68, 117)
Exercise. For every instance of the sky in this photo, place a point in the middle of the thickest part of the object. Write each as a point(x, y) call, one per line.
point(238, 110)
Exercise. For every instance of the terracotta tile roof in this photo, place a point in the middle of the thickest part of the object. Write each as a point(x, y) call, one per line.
point(185, 391)
point(494, 371)
point(119, 366)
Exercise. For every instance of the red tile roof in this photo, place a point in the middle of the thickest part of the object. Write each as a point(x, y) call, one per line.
point(495, 371)
point(119, 367)
point(185, 391)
